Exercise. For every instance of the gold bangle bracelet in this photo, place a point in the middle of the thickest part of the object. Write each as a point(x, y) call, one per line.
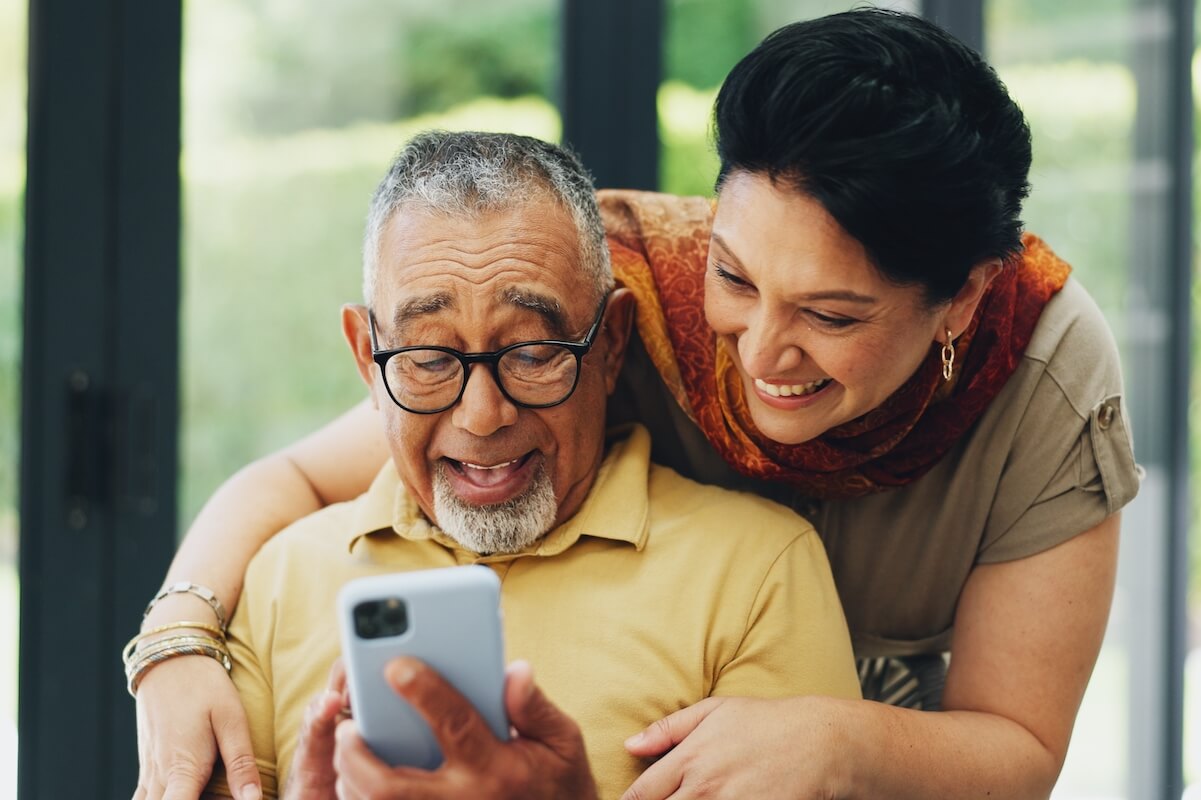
point(165, 652)
point(200, 626)
point(173, 641)
point(135, 675)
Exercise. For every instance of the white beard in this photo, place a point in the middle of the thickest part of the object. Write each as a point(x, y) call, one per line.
point(507, 527)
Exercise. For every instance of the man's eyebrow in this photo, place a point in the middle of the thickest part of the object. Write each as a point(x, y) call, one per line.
point(416, 307)
point(543, 305)
point(808, 297)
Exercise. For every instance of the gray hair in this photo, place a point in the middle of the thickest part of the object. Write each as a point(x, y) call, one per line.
point(470, 173)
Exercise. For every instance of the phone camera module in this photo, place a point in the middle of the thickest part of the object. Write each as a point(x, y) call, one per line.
point(377, 619)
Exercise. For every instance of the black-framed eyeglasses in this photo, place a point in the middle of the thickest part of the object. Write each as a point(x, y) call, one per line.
point(425, 379)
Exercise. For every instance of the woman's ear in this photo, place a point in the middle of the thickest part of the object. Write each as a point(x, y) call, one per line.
point(356, 329)
point(615, 333)
point(963, 305)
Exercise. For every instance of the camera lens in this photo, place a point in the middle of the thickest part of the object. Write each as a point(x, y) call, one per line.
point(375, 619)
point(365, 624)
point(394, 617)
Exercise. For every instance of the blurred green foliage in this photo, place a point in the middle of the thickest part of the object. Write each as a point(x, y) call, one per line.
point(281, 70)
point(11, 223)
point(705, 38)
point(12, 178)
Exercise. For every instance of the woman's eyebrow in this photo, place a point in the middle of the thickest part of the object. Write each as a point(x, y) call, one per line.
point(828, 294)
point(838, 294)
point(720, 242)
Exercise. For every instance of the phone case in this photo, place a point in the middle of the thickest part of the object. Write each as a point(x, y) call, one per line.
point(453, 624)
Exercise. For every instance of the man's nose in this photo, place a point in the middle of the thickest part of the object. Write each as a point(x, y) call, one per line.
point(483, 409)
point(766, 349)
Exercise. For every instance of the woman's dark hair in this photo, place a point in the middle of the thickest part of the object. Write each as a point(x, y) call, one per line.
point(903, 133)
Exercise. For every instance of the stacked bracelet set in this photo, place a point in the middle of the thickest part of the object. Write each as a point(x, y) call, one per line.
point(149, 647)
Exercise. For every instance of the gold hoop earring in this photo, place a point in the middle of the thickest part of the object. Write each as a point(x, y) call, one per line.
point(948, 357)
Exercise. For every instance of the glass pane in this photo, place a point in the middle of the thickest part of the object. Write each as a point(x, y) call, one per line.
point(705, 38)
point(1192, 667)
point(12, 184)
point(287, 128)
point(1074, 68)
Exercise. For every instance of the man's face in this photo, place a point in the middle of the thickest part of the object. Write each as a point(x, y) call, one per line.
point(477, 284)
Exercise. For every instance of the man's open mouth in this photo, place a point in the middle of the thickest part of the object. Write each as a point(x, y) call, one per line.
point(489, 474)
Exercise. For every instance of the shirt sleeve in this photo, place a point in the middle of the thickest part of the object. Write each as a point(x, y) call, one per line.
point(796, 640)
point(249, 675)
point(1071, 462)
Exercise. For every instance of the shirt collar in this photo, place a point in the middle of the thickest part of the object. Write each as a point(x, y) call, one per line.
point(616, 508)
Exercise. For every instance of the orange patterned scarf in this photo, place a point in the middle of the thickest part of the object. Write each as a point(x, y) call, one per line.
point(660, 246)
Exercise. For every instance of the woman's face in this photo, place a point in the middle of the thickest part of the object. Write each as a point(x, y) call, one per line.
point(819, 336)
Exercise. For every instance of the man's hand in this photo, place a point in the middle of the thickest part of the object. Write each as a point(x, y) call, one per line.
point(312, 775)
point(545, 759)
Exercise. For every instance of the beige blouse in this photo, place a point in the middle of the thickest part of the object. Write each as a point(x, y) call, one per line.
point(1051, 458)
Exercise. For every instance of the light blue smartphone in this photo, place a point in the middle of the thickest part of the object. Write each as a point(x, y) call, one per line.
point(449, 618)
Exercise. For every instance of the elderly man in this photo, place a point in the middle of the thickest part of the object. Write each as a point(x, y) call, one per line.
point(490, 341)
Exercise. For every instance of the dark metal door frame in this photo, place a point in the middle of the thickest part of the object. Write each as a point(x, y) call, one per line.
point(610, 68)
point(99, 384)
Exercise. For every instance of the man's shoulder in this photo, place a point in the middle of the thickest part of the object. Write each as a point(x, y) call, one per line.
point(678, 503)
point(313, 538)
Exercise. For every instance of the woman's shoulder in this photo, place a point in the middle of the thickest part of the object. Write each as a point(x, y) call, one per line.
point(1073, 352)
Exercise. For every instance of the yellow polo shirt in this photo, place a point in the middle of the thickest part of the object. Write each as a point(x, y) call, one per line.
point(658, 593)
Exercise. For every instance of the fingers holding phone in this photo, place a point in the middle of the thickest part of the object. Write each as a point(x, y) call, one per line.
point(312, 775)
point(546, 759)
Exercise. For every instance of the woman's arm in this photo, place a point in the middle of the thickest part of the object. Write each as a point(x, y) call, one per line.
point(333, 464)
point(188, 709)
point(1027, 634)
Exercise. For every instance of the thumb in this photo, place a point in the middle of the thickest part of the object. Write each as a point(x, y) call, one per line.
point(666, 733)
point(458, 726)
point(533, 715)
point(237, 753)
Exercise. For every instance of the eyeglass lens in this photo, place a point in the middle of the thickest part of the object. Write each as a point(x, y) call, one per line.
point(532, 374)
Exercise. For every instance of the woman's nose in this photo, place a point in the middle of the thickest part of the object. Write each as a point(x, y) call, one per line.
point(765, 348)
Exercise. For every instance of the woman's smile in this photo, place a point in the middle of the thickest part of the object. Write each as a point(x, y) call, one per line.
point(792, 396)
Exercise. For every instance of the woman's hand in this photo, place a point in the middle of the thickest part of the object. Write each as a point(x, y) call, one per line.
point(188, 712)
point(737, 747)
